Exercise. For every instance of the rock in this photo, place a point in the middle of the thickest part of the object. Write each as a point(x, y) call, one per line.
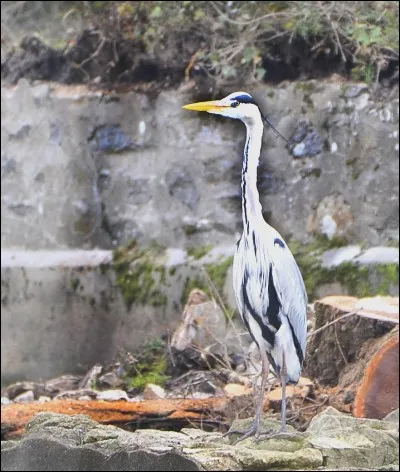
point(67, 394)
point(202, 331)
point(379, 255)
point(112, 395)
point(181, 185)
point(25, 397)
point(111, 139)
point(393, 416)
point(335, 257)
point(332, 217)
point(19, 388)
point(62, 383)
point(309, 141)
point(110, 379)
point(90, 379)
point(5, 401)
point(346, 441)
point(153, 392)
point(333, 440)
point(353, 91)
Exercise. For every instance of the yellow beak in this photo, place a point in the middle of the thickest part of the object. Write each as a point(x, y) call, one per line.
point(211, 106)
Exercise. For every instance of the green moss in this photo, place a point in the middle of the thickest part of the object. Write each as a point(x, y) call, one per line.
point(155, 374)
point(356, 278)
point(355, 171)
point(315, 172)
point(151, 368)
point(74, 283)
point(189, 229)
point(83, 225)
point(161, 271)
point(192, 283)
point(136, 269)
point(172, 271)
point(306, 87)
point(217, 274)
point(199, 252)
point(389, 277)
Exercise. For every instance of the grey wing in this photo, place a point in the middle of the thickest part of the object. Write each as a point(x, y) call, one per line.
point(291, 292)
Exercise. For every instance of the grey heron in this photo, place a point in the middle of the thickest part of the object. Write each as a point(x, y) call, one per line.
point(268, 285)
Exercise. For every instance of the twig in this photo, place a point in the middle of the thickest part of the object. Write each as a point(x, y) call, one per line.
point(96, 53)
point(332, 322)
point(339, 42)
point(249, 22)
point(340, 347)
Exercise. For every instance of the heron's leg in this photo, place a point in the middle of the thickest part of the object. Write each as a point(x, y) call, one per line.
point(259, 406)
point(255, 427)
point(283, 382)
point(283, 431)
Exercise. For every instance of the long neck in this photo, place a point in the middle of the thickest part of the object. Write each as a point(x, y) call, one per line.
point(251, 207)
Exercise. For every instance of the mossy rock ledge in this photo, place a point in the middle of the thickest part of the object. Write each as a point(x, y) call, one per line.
point(333, 441)
point(164, 277)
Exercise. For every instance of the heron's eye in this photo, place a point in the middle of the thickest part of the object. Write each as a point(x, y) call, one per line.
point(235, 104)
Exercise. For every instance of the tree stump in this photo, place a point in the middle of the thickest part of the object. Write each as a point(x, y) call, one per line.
point(359, 354)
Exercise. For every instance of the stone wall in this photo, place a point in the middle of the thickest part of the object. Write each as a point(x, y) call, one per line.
point(79, 171)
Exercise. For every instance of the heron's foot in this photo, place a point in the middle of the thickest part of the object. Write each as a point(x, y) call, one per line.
point(253, 431)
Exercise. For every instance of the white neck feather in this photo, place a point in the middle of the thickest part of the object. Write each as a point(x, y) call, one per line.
point(251, 207)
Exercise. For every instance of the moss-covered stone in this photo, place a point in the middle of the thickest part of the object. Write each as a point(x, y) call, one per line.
point(213, 280)
point(357, 279)
point(389, 276)
point(151, 366)
point(137, 272)
point(74, 283)
point(189, 229)
point(306, 87)
point(200, 251)
point(217, 272)
point(153, 374)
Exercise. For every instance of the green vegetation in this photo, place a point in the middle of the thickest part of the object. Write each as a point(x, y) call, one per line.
point(200, 251)
point(75, 283)
point(136, 269)
point(212, 281)
point(229, 41)
point(357, 279)
point(151, 366)
point(389, 276)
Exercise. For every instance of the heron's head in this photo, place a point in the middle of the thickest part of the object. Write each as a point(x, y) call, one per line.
point(237, 105)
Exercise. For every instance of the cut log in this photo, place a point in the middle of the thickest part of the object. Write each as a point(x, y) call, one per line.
point(332, 349)
point(173, 414)
point(358, 354)
point(378, 394)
